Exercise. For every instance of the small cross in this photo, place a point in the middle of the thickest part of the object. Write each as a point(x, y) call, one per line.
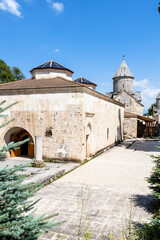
point(124, 56)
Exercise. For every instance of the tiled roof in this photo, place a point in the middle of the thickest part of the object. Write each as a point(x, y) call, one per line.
point(51, 64)
point(123, 71)
point(83, 81)
point(32, 83)
point(49, 83)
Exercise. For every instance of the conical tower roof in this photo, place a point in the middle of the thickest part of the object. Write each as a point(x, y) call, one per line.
point(158, 97)
point(123, 71)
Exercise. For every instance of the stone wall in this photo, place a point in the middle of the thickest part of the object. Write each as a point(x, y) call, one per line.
point(73, 124)
point(156, 130)
point(130, 127)
point(130, 103)
point(59, 112)
point(121, 84)
point(103, 121)
point(51, 73)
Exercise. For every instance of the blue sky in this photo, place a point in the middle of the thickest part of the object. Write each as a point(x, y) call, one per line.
point(87, 36)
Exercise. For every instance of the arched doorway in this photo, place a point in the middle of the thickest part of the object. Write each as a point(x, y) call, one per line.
point(19, 134)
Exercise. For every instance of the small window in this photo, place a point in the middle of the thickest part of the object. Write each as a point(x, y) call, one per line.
point(107, 133)
point(48, 132)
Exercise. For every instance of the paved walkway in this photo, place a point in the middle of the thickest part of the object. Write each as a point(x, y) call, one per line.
point(98, 194)
point(40, 175)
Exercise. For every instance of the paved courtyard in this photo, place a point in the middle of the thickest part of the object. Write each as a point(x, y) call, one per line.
point(101, 194)
point(40, 175)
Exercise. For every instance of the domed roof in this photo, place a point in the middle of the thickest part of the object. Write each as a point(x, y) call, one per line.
point(84, 81)
point(123, 71)
point(51, 65)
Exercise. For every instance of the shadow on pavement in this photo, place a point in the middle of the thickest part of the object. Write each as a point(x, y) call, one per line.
point(146, 146)
point(147, 202)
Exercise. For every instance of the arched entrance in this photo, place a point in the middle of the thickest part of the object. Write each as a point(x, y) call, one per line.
point(19, 134)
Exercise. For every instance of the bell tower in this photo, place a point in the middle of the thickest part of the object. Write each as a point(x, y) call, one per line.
point(123, 79)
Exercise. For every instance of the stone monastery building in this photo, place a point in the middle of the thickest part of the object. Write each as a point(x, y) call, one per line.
point(123, 90)
point(73, 120)
point(135, 124)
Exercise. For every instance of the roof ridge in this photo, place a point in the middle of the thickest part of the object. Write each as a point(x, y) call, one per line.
point(7, 83)
point(70, 81)
point(133, 97)
point(76, 83)
point(42, 64)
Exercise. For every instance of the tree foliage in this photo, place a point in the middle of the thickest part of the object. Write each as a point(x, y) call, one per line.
point(15, 224)
point(18, 75)
point(150, 109)
point(154, 178)
point(17, 220)
point(8, 74)
point(151, 231)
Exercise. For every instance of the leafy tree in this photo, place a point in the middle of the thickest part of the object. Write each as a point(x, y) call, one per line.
point(150, 109)
point(18, 75)
point(6, 74)
point(17, 221)
point(9, 75)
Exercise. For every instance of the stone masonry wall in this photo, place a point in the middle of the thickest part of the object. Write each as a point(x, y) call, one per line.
point(130, 104)
point(60, 112)
point(80, 123)
point(130, 127)
point(105, 121)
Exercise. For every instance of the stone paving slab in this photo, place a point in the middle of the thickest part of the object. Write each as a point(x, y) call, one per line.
point(80, 205)
point(101, 193)
point(40, 175)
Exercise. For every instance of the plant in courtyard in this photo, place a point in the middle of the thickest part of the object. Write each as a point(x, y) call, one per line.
point(17, 221)
point(154, 178)
point(152, 231)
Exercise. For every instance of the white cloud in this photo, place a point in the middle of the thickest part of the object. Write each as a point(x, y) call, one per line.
point(56, 50)
point(11, 6)
point(149, 97)
point(59, 7)
point(106, 84)
point(142, 83)
point(149, 92)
